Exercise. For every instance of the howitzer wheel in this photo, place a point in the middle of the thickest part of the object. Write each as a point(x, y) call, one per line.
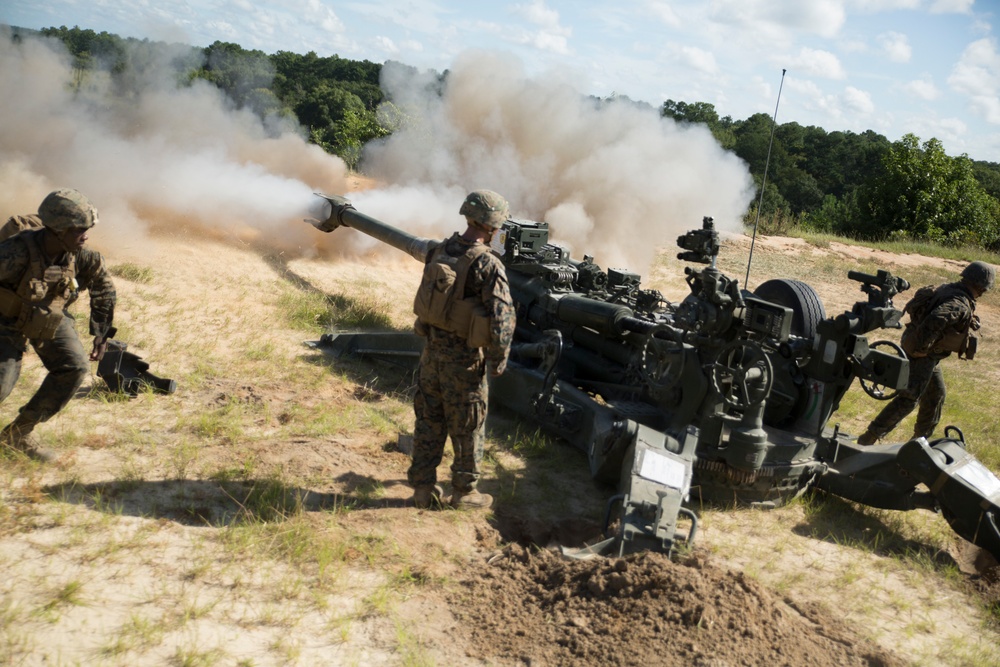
point(662, 361)
point(790, 399)
point(742, 374)
point(874, 389)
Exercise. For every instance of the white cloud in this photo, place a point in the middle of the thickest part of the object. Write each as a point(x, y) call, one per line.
point(698, 59)
point(922, 88)
point(664, 12)
point(857, 101)
point(319, 14)
point(551, 36)
point(952, 6)
point(820, 17)
point(847, 106)
point(538, 14)
point(896, 46)
point(977, 76)
point(386, 45)
point(813, 62)
point(876, 6)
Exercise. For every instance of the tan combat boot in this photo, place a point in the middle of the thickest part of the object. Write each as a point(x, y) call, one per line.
point(16, 437)
point(867, 439)
point(427, 497)
point(471, 500)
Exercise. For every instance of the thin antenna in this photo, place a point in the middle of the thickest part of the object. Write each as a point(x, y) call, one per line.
point(763, 180)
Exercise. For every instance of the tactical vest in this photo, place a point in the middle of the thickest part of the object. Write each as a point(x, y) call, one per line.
point(45, 291)
point(957, 338)
point(440, 300)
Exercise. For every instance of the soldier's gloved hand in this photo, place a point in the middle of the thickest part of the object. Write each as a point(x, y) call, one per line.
point(498, 369)
point(975, 323)
point(100, 347)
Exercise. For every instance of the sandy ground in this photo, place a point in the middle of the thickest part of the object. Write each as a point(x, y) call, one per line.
point(258, 516)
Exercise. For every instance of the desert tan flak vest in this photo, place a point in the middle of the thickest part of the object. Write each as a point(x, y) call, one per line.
point(45, 291)
point(440, 300)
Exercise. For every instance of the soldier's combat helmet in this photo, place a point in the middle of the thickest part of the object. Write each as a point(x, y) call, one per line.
point(486, 208)
point(980, 274)
point(66, 209)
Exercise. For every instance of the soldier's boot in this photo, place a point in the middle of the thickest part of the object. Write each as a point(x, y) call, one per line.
point(16, 436)
point(867, 439)
point(471, 500)
point(427, 496)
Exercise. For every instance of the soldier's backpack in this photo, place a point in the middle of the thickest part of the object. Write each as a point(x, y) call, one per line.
point(440, 300)
point(925, 300)
point(18, 223)
point(921, 303)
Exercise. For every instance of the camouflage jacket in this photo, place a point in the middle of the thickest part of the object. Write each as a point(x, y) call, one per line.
point(91, 275)
point(950, 317)
point(487, 279)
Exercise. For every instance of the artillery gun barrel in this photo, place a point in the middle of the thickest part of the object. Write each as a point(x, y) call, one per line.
point(343, 214)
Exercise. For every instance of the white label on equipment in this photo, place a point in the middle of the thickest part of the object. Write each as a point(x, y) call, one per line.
point(663, 469)
point(979, 476)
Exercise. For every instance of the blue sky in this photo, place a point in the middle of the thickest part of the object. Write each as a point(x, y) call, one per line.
point(928, 67)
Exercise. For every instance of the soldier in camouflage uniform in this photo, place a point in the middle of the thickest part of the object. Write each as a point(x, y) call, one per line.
point(42, 271)
point(944, 326)
point(452, 387)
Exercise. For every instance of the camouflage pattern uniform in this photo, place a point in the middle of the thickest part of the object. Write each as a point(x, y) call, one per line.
point(63, 354)
point(952, 312)
point(452, 391)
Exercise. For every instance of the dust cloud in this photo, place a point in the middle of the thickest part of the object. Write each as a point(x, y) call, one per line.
point(612, 178)
point(165, 158)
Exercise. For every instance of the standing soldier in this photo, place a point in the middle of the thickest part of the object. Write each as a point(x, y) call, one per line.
point(942, 320)
point(464, 309)
point(42, 271)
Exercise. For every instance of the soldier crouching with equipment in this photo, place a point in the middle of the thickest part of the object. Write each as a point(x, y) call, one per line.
point(42, 271)
point(942, 320)
point(464, 309)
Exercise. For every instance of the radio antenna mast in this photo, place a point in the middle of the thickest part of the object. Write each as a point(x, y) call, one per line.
point(763, 180)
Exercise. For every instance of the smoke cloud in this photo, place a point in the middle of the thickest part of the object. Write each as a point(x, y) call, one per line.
point(612, 178)
point(164, 159)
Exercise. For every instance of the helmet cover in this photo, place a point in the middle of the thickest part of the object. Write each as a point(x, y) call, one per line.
point(486, 208)
point(66, 209)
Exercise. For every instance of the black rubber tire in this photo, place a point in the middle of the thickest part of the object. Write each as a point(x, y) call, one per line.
point(807, 309)
point(807, 313)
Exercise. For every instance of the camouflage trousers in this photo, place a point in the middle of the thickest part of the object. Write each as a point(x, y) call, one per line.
point(63, 357)
point(451, 400)
point(926, 388)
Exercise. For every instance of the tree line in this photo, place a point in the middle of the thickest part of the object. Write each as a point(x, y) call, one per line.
point(858, 185)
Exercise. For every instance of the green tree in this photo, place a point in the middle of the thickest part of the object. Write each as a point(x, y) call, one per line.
point(927, 195)
point(701, 112)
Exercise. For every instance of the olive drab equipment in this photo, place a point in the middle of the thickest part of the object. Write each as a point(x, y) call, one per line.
point(724, 398)
point(440, 301)
point(44, 293)
point(18, 223)
point(956, 339)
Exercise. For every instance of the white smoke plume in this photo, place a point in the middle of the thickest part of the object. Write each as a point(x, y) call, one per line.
point(614, 180)
point(167, 158)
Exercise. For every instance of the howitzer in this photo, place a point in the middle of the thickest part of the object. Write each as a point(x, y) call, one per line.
point(724, 397)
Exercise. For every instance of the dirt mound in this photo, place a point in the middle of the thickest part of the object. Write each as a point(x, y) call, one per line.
point(537, 608)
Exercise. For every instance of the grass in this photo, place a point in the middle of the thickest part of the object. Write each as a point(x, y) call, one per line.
point(311, 310)
point(132, 272)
